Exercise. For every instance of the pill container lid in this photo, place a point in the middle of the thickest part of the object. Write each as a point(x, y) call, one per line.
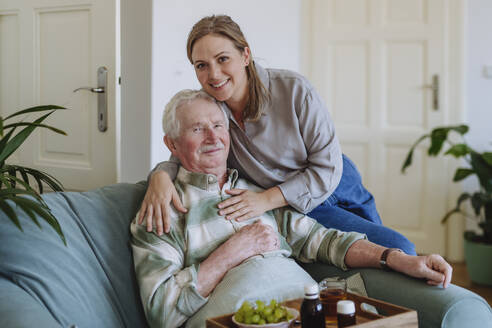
point(345, 307)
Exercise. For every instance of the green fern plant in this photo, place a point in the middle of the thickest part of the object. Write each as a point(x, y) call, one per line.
point(15, 183)
point(479, 164)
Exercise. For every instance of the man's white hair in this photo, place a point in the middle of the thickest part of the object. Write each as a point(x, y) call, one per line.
point(170, 124)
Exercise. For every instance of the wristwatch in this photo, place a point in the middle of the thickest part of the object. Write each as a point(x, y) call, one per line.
point(384, 256)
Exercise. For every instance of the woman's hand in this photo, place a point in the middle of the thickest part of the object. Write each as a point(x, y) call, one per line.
point(246, 204)
point(156, 203)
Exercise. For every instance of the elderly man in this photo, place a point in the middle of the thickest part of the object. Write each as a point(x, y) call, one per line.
point(207, 265)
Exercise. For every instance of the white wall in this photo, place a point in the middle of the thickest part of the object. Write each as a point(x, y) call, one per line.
point(478, 103)
point(135, 115)
point(479, 87)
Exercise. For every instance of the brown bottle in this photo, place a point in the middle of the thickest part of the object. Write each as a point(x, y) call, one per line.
point(345, 313)
point(312, 315)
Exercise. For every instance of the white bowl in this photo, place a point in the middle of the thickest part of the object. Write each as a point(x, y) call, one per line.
point(282, 324)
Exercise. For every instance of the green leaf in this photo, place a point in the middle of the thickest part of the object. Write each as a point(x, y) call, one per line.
point(478, 201)
point(4, 141)
point(5, 178)
point(461, 129)
point(464, 196)
point(408, 160)
point(1, 126)
point(483, 170)
point(17, 140)
point(5, 207)
point(14, 125)
point(487, 157)
point(5, 193)
point(8, 178)
point(458, 150)
point(438, 136)
point(461, 173)
point(45, 214)
point(48, 217)
point(448, 215)
point(40, 184)
point(12, 172)
point(35, 109)
point(27, 210)
point(23, 173)
point(50, 180)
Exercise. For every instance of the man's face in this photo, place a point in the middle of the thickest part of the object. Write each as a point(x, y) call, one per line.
point(203, 142)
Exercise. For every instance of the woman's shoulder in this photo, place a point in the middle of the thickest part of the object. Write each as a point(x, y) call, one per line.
point(288, 77)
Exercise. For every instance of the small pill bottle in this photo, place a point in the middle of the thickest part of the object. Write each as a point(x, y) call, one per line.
point(312, 315)
point(345, 313)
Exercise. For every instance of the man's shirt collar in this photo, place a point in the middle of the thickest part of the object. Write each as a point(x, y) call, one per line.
point(205, 181)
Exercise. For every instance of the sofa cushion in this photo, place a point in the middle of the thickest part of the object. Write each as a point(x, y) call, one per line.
point(90, 282)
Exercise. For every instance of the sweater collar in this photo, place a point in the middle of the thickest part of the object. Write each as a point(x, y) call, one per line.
point(203, 180)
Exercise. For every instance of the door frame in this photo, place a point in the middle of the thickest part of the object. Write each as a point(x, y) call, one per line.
point(455, 40)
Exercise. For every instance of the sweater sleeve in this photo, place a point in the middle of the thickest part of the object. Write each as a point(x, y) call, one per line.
point(170, 167)
point(167, 288)
point(310, 241)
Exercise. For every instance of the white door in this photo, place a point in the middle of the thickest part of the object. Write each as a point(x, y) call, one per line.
point(48, 48)
point(372, 61)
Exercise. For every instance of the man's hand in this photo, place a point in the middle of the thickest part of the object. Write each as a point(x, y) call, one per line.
point(251, 240)
point(246, 204)
point(432, 267)
point(156, 203)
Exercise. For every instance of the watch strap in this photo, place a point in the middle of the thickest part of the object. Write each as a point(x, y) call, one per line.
point(383, 261)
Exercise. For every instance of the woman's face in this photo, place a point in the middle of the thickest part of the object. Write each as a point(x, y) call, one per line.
point(221, 68)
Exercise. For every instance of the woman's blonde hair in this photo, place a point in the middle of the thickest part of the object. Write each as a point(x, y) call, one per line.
point(223, 25)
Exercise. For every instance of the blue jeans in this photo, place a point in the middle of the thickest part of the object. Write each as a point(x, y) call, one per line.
point(352, 208)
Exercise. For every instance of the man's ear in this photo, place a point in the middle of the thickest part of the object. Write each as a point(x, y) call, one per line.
point(170, 145)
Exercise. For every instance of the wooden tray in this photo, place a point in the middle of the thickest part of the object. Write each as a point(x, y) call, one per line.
point(390, 315)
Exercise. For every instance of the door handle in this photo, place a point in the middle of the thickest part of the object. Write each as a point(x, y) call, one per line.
point(102, 98)
point(95, 90)
point(434, 87)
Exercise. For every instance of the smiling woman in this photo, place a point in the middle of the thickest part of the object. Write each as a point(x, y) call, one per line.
point(222, 73)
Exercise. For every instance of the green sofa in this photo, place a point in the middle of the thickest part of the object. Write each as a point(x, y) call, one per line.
point(91, 282)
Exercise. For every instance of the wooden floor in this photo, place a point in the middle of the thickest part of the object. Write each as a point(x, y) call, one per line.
point(461, 278)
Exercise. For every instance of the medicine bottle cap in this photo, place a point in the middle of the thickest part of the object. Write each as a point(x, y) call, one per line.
point(345, 307)
point(311, 290)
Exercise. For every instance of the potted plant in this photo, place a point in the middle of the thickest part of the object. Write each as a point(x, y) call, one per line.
point(16, 180)
point(478, 247)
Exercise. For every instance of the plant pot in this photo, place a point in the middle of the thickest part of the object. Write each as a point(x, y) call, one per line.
point(478, 257)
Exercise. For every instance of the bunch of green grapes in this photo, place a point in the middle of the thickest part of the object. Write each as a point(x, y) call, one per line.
point(262, 314)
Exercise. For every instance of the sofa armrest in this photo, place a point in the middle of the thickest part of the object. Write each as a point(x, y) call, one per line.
point(436, 307)
point(19, 309)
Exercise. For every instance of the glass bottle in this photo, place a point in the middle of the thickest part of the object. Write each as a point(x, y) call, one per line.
point(345, 313)
point(312, 315)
